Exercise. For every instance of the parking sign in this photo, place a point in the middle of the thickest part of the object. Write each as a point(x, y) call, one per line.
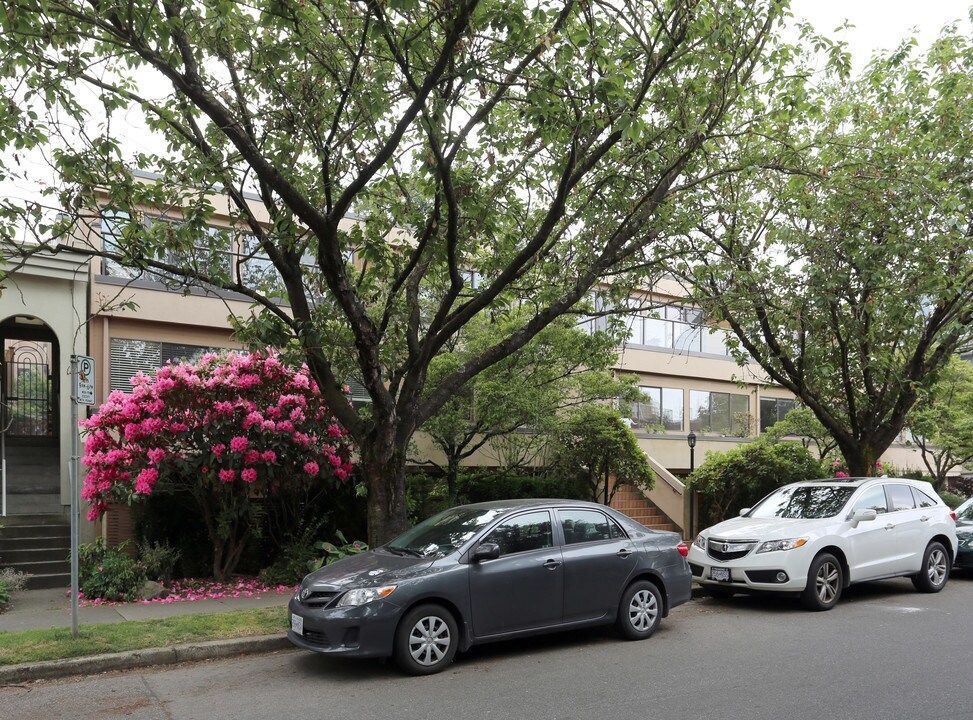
point(84, 380)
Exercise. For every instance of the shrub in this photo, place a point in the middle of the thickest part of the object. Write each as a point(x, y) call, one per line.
point(108, 572)
point(159, 560)
point(730, 481)
point(333, 553)
point(11, 581)
point(954, 501)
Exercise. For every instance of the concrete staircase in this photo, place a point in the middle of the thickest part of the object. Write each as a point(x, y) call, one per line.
point(39, 545)
point(632, 502)
point(33, 479)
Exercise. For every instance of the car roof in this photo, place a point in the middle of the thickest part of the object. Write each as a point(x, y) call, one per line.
point(853, 481)
point(522, 503)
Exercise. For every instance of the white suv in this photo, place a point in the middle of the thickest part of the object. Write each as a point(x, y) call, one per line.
point(816, 538)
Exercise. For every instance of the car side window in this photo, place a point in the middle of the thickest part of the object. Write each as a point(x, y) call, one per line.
point(873, 499)
point(530, 531)
point(588, 526)
point(922, 500)
point(900, 497)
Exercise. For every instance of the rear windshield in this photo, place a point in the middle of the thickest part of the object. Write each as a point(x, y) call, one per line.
point(803, 502)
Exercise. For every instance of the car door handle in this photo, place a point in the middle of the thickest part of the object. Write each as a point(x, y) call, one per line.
point(552, 564)
point(890, 526)
point(924, 518)
point(624, 553)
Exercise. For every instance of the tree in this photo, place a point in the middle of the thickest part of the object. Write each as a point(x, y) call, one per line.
point(228, 430)
point(393, 147)
point(512, 408)
point(597, 446)
point(802, 422)
point(730, 481)
point(842, 260)
point(941, 422)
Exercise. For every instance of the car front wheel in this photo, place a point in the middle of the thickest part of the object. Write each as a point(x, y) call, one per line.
point(426, 640)
point(935, 569)
point(640, 610)
point(825, 580)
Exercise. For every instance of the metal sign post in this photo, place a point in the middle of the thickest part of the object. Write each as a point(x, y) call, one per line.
point(82, 393)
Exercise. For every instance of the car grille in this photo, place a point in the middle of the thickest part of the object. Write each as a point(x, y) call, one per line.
point(319, 598)
point(729, 549)
point(696, 570)
point(316, 638)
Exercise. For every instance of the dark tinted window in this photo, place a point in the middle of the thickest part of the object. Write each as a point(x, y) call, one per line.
point(922, 500)
point(873, 499)
point(530, 531)
point(587, 525)
point(900, 497)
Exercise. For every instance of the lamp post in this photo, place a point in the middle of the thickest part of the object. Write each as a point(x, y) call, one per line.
point(691, 439)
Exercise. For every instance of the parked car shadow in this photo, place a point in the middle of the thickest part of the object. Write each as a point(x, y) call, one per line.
point(863, 592)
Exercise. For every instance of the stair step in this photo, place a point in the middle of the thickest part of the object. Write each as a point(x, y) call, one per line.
point(35, 531)
point(34, 543)
point(52, 580)
point(35, 519)
point(42, 567)
point(34, 554)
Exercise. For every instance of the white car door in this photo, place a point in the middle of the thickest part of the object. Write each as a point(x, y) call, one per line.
point(910, 530)
point(871, 545)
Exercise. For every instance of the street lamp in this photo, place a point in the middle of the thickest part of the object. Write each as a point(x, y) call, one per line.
point(691, 439)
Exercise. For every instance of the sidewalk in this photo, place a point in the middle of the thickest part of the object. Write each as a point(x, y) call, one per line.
point(42, 609)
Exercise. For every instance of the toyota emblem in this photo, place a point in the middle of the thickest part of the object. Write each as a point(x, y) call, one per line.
point(304, 593)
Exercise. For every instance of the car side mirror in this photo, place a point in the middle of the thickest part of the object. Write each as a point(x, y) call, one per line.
point(744, 511)
point(862, 515)
point(485, 551)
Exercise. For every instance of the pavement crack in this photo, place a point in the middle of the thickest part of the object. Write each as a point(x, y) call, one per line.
point(163, 705)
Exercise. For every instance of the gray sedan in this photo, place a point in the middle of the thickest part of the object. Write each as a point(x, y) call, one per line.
point(492, 571)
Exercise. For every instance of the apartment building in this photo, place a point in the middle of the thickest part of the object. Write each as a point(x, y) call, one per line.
point(131, 321)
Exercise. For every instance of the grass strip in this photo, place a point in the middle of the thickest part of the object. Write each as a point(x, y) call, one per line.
point(27, 646)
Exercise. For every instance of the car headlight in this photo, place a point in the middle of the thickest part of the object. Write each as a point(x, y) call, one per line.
point(775, 545)
point(700, 542)
point(360, 596)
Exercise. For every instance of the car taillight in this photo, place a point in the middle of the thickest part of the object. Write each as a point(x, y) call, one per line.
point(953, 515)
point(683, 549)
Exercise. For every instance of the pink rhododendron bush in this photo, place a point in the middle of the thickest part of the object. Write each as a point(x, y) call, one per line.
point(229, 429)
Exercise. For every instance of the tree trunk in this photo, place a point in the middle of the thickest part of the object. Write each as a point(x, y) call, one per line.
point(385, 479)
point(452, 480)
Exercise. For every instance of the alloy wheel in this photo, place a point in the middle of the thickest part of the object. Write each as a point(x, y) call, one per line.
point(827, 582)
point(937, 567)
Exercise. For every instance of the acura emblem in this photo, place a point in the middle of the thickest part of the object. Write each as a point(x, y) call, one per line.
point(726, 548)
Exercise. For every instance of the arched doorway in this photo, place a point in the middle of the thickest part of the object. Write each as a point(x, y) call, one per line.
point(29, 417)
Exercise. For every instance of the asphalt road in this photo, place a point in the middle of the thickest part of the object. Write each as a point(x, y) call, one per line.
point(884, 653)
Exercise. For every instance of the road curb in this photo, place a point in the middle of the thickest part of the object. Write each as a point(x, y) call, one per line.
point(148, 657)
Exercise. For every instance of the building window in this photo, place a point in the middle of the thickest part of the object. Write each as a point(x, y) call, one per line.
point(658, 409)
point(676, 328)
point(773, 410)
point(716, 413)
point(129, 357)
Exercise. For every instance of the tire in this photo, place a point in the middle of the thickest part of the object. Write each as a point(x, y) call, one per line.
point(639, 610)
point(935, 569)
point(426, 640)
point(717, 592)
point(825, 580)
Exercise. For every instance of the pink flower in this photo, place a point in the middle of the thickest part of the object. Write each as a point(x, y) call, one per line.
point(311, 468)
point(334, 430)
point(268, 456)
point(841, 474)
point(145, 481)
point(239, 444)
point(156, 455)
point(218, 450)
point(227, 475)
point(251, 457)
point(249, 475)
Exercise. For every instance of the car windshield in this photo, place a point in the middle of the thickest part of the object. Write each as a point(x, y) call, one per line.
point(803, 502)
point(442, 533)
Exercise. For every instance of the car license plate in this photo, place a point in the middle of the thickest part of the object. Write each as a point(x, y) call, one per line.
point(721, 574)
point(297, 624)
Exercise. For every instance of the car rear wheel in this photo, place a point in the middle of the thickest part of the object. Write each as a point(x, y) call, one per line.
point(426, 640)
point(825, 580)
point(639, 610)
point(935, 569)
